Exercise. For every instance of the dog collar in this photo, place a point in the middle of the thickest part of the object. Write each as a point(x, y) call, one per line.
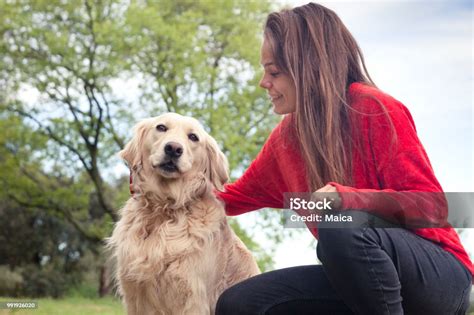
point(134, 170)
point(131, 184)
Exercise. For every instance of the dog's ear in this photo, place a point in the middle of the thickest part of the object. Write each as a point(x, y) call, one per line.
point(217, 165)
point(133, 151)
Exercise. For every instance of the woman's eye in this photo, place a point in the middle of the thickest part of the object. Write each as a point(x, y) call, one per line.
point(161, 128)
point(275, 74)
point(193, 137)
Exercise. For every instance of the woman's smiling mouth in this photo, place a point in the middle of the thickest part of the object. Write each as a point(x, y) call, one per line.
point(275, 98)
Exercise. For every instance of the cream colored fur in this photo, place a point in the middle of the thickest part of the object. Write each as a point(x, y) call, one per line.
point(175, 251)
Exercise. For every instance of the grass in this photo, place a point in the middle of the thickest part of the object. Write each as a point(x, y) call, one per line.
point(68, 306)
point(72, 306)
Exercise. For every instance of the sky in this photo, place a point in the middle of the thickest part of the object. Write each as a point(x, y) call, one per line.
point(420, 52)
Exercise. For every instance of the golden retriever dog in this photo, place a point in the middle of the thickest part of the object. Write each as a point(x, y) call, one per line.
point(174, 249)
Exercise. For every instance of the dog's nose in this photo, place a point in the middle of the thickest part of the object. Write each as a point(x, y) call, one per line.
point(173, 149)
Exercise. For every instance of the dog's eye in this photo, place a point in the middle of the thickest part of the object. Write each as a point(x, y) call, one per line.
point(161, 128)
point(193, 137)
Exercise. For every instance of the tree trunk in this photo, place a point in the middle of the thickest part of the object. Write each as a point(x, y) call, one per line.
point(104, 281)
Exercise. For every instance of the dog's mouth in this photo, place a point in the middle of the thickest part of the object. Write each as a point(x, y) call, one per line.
point(168, 167)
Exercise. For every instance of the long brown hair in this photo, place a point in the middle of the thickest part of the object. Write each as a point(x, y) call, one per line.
point(311, 44)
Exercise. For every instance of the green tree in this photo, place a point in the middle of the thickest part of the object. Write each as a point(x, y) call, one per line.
point(196, 58)
point(43, 229)
point(200, 58)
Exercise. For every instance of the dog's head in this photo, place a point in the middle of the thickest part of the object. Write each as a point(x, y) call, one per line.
point(173, 148)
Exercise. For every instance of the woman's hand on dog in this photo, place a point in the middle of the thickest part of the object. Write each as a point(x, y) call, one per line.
point(328, 192)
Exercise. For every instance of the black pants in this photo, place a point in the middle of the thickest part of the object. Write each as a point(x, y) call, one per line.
point(366, 270)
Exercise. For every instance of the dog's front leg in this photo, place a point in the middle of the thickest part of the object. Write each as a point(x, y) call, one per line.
point(130, 296)
point(186, 292)
point(197, 305)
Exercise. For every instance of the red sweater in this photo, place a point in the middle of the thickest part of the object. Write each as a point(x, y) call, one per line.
point(400, 169)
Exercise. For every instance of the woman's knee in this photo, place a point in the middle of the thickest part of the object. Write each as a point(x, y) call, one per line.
point(334, 241)
point(236, 299)
point(228, 301)
point(339, 238)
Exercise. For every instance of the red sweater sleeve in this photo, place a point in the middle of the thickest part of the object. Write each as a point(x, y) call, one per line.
point(255, 189)
point(409, 192)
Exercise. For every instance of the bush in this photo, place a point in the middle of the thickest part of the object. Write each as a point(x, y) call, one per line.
point(84, 290)
point(11, 282)
point(42, 282)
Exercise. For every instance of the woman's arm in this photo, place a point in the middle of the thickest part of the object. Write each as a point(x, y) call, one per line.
point(255, 189)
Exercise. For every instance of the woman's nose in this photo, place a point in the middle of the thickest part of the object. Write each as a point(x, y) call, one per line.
point(265, 83)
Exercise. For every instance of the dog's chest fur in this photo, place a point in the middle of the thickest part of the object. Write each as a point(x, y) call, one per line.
point(151, 240)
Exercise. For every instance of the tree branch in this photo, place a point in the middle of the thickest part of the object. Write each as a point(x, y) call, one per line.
point(46, 130)
point(67, 214)
point(110, 127)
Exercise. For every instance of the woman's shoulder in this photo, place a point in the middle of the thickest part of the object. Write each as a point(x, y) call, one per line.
point(368, 99)
point(368, 103)
point(284, 129)
point(283, 136)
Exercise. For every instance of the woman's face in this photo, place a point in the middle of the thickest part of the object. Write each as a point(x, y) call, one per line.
point(280, 87)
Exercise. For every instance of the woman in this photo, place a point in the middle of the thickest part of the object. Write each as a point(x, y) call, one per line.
point(342, 135)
